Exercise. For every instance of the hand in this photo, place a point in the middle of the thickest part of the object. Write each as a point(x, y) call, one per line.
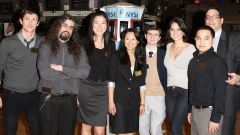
point(213, 127)
point(56, 67)
point(233, 78)
point(189, 117)
point(112, 108)
point(142, 109)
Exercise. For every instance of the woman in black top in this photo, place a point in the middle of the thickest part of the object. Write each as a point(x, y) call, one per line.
point(126, 86)
point(93, 95)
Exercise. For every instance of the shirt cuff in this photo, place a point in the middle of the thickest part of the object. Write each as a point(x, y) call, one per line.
point(111, 84)
point(142, 88)
point(238, 84)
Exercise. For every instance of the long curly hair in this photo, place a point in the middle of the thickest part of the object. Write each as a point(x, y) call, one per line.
point(73, 44)
point(123, 54)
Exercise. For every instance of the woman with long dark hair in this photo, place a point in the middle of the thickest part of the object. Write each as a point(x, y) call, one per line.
point(127, 85)
point(93, 95)
point(179, 53)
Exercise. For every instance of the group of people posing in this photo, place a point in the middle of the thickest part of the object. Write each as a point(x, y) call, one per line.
point(61, 78)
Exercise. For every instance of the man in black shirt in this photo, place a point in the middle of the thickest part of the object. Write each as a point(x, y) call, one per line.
point(207, 73)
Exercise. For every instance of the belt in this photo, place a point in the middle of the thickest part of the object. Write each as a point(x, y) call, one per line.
point(61, 95)
point(47, 91)
point(201, 106)
point(19, 93)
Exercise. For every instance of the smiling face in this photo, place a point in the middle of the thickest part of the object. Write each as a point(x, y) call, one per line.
point(130, 41)
point(204, 40)
point(29, 22)
point(152, 36)
point(175, 32)
point(99, 25)
point(66, 30)
point(213, 19)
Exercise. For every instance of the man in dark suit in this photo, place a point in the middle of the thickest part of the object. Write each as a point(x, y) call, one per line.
point(214, 19)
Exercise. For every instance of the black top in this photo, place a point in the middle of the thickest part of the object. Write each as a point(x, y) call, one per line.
point(207, 73)
point(100, 63)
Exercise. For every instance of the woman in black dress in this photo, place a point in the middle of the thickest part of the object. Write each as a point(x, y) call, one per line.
point(93, 95)
point(127, 85)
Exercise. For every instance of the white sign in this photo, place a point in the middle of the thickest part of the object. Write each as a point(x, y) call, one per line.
point(118, 12)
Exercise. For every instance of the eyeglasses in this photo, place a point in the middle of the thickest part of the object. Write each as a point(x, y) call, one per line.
point(213, 17)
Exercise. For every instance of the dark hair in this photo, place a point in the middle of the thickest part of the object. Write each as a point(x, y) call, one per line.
point(215, 8)
point(52, 38)
point(123, 54)
point(182, 27)
point(89, 44)
point(205, 27)
point(29, 10)
point(153, 27)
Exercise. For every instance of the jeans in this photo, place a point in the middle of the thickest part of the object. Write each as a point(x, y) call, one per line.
point(13, 104)
point(177, 108)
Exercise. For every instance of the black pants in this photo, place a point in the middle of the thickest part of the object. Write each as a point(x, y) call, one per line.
point(13, 104)
point(58, 115)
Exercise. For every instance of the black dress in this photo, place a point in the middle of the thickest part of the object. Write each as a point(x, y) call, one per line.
point(93, 93)
point(126, 97)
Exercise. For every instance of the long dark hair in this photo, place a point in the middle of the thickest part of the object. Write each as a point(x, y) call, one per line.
point(123, 54)
point(89, 43)
point(182, 27)
point(52, 38)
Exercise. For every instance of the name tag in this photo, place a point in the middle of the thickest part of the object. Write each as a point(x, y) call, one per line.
point(201, 65)
point(138, 73)
point(35, 50)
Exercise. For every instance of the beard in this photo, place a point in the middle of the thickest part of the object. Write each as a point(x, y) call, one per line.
point(65, 36)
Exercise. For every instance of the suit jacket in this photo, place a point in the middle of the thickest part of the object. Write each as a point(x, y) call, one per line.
point(127, 85)
point(233, 61)
point(223, 44)
point(162, 71)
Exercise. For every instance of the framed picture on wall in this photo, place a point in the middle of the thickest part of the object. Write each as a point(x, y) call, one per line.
point(8, 28)
point(6, 8)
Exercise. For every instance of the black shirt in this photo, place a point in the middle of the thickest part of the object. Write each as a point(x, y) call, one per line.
point(207, 73)
point(100, 64)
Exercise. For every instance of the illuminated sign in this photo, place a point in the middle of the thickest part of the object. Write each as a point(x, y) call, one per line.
point(124, 12)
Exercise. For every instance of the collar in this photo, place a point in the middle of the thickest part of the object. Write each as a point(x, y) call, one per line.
point(218, 33)
point(148, 50)
point(20, 36)
point(209, 51)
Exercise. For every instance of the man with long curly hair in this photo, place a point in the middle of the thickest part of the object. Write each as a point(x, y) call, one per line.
point(62, 63)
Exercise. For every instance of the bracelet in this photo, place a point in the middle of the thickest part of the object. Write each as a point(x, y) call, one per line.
point(142, 104)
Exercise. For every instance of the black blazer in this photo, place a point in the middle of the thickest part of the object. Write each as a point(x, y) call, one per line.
point(127, 85)
point(223, 44)
point(162, 71)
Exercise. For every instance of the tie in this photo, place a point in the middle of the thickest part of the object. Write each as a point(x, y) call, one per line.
point(150, 54)
point(28, 42)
